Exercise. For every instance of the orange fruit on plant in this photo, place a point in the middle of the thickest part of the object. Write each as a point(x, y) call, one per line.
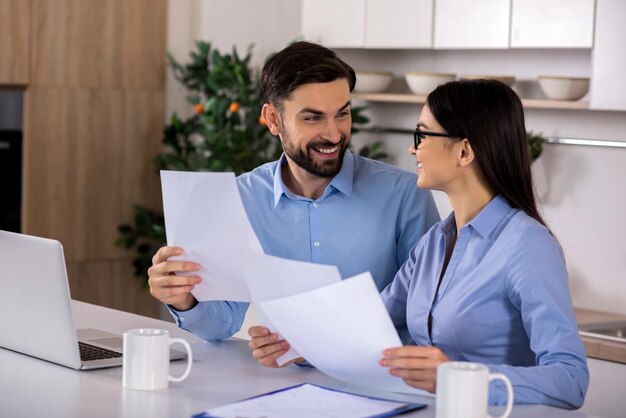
point(199, 108)
point(234, 107)
point(262, 121)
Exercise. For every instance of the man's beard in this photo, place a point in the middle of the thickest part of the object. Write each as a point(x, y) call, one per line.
point(324, 168)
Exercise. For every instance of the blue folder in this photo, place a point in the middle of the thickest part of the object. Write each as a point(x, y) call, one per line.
point(405, 407)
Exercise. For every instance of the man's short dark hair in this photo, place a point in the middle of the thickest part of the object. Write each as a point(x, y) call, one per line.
point(301, 63)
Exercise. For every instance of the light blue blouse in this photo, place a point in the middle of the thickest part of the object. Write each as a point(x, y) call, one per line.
point(368, 219)
point(503, 301)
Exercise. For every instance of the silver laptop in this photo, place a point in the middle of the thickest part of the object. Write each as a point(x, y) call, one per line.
point(36, 313)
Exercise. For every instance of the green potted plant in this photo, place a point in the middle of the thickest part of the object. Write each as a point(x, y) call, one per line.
point(535, 144)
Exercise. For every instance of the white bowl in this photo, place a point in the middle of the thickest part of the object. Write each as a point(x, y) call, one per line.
point(424, 83)
point(509, 80)
point(563, 88)
point(372, 81)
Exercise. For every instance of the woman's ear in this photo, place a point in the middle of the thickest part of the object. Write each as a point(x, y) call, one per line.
point(465, 154)
point(270, 115)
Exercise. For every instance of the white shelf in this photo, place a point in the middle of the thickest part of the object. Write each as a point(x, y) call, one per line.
point(415, 99)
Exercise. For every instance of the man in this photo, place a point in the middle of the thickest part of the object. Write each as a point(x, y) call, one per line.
point(318, 203)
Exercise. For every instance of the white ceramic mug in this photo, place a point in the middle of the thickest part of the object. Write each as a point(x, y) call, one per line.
point(146, 359)
point(463, 390)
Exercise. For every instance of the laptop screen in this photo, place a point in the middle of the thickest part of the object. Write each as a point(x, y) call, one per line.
point(36, 313)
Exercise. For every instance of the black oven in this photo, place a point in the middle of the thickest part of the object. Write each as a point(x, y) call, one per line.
point(10, 180)
point(11, 156)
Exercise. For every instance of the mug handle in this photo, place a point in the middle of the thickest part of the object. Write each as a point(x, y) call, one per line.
point(189, 359)
point(509, 391)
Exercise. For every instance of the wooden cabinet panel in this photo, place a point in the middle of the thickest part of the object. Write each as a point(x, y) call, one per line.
point(143, 43)
point(14, 41)
point(76, 43)
point(92, 126)
point(48, 153)
point(553, 24)
point(143, 133)
point(89, 43)
point(88, 158)
point(111, 284)
point(71, 168)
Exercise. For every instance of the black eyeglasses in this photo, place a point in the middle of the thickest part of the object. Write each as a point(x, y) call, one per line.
point(419, 135)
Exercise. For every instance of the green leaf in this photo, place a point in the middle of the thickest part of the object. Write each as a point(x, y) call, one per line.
point(122, 243)
point(124, 229)
point(535, 144)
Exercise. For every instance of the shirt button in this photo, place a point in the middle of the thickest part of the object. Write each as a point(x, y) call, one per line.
point(316, 243)
point(314, 205)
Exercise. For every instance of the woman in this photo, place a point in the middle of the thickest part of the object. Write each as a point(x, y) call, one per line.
point(488, 284)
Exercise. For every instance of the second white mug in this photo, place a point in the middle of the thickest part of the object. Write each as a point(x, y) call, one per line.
point(146, 359)
point(463, 390)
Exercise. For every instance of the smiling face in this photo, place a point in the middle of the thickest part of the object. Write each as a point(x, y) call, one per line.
point(437, 164)
point(314, 126)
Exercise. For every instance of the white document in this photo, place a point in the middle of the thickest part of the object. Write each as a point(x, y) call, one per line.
point(342, 329)
point(205, 216)
point(308, 401)
point(271, 277)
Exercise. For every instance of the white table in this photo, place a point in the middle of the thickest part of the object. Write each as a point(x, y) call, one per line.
point(222, 373)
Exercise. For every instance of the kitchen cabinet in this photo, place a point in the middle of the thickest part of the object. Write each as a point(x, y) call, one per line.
point(605, 396)
point(449, 24)
point(93, 120)
point(338, 24)
point(607, 367)
point(399, 24)
point(14, 41)
point(368, 23)
point(552, 24)
point(460, 24)
point(608, 58)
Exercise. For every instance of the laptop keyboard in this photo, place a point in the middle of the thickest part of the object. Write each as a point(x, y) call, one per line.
point(91, 352)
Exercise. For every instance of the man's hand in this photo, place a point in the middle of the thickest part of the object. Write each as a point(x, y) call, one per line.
point(417, 366)
point(266, 347)
point(166, 286)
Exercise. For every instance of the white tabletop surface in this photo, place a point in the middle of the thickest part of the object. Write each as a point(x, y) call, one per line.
point(222, 373)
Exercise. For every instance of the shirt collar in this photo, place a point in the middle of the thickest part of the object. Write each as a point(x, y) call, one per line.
point(341, 182)
point(491, 215)
point(486, 221)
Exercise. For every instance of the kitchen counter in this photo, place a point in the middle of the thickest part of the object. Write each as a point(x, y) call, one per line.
point(599, 348)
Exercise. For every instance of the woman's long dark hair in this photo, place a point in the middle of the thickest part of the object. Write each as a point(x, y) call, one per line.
point(490, 115)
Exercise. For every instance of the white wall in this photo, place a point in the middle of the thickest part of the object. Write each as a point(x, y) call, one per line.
point(584, 188)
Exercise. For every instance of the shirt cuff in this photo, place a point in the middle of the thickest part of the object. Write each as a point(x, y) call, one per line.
point(186, 317)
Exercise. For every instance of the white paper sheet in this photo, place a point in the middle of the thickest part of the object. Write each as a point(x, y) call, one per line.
point(271, 277)
point(307, 401)
point(205, 216)
point(342, 329)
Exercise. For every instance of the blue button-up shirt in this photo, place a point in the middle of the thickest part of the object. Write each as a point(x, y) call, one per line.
point(368, 219)
point(503, 301)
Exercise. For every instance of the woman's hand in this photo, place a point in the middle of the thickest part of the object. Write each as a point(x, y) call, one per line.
point(417, 366)
point(267, 347)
